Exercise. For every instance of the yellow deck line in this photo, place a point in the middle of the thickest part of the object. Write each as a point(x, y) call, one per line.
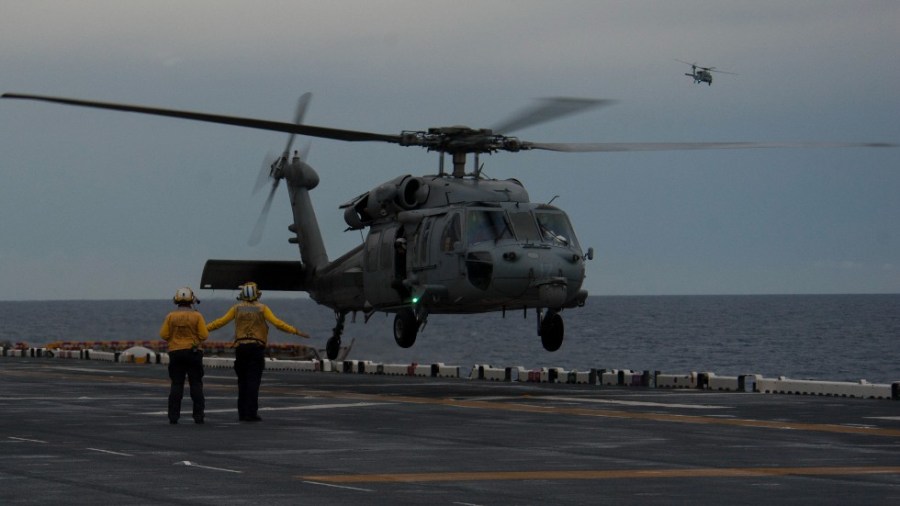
point(608, 474)
point(608, 413)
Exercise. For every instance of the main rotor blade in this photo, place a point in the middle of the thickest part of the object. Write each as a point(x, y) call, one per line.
point(548, 109)
point(310, 130)
point(679, 146)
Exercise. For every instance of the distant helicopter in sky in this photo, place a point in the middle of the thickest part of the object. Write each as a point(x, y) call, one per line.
point(702, 74)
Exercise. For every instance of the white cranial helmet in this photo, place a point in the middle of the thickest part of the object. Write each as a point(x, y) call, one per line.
point(184, 295)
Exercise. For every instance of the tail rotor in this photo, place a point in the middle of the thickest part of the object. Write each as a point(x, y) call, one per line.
point(273, 170)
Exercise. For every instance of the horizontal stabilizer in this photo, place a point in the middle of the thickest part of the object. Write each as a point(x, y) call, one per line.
point(267, 274)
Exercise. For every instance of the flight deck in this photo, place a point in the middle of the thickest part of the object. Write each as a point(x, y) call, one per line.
point(92, 432)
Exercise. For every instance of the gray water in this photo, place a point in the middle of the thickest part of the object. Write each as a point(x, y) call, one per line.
point(826, 337)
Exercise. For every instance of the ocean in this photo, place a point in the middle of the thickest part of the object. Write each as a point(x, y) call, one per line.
point(823, 337)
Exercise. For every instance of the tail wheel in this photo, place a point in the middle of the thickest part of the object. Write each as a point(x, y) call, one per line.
point(406, 327)
point(552, 331)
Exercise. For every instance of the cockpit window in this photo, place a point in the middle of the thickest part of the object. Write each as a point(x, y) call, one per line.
point(484, 226)
point(555, 228)
point(524, 225)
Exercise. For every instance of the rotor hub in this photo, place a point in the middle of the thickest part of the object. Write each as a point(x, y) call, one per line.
point(460, 139)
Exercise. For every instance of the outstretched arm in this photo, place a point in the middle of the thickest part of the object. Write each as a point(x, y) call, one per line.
point(221, 322)
point(282, 326)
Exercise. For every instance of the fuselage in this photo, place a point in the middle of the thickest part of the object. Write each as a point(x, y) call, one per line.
point(701, 76)
point(461, 246)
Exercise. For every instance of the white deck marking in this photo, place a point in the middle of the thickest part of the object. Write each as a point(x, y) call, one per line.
point(188, 463)
point(337, 486)
point(327, 406)
point(81, 398)
point(289, 408)
point(110, 452)
point(87, 369)
point(26, 440)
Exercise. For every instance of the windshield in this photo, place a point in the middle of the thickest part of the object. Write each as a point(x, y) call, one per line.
point(555, 228)
point(524, 225)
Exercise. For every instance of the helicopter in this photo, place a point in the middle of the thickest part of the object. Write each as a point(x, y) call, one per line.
point(453, 242)
point(703, 74)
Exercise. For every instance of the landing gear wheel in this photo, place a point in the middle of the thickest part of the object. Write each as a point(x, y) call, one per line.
point(333, 347)
point(552, 331)
point(406, 326)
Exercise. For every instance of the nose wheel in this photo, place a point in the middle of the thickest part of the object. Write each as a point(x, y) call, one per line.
point(551, 329)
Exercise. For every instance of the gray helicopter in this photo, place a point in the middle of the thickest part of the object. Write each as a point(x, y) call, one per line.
point(455, 242)
point(703, 74)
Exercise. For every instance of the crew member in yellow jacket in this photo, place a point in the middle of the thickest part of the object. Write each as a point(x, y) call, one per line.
point(184, 330)
point(251, 332)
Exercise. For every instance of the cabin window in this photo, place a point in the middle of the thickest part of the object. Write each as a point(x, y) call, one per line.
point(422, 240)
point(555, 228)
point(452, 234)
point(483, 225)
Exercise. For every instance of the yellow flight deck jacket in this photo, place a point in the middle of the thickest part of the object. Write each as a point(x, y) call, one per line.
point(250, 322)
point(184, 329)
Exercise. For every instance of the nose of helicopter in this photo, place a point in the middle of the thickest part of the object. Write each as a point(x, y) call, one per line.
point(542, 277)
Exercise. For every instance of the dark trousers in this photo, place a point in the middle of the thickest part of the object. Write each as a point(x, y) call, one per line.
point(186, 363)
point(249, 362)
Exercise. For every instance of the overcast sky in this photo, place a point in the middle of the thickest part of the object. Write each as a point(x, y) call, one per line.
point(107, 205)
